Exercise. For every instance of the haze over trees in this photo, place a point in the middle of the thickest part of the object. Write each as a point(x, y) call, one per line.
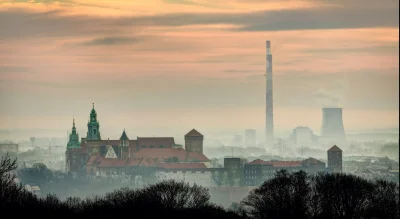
point(288, 195)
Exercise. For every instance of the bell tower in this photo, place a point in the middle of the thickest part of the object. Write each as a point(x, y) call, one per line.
point(93, 126)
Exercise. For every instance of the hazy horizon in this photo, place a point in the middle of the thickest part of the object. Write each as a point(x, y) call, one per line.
point(166, 67)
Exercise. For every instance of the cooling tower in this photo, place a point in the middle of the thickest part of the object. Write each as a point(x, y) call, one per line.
point(332, 124)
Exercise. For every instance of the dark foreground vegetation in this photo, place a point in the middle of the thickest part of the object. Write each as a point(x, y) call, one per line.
point(288, 195)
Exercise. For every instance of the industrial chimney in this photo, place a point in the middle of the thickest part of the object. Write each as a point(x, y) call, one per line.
point(332, 124)
point(269, 114)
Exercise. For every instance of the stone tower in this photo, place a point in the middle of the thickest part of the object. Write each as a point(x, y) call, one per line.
point(93, 126)
point(335, 159)
point(194, 141)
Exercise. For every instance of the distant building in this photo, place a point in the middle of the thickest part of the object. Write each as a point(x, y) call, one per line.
point(95, 156)
point(259, 171)
point(234, 169)
point(192, 173)
point(335, 159)
point(237, 141)
point(233, 163)
point(8, 147)
point(303, 136)
point(250, 138)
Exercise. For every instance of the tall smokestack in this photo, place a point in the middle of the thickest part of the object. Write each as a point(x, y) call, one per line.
point(269, 110)
point(332, 124)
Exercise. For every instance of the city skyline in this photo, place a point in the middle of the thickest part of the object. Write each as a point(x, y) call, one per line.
point(197, 64)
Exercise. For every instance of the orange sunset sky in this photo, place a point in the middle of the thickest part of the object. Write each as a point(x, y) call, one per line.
point(166, 66)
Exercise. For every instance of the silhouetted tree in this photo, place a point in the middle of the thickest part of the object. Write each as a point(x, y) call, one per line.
point(284, 196)
point(384, 200)
point(220, 177)
point(176, 195)
point(341, 195)
point(38, 174)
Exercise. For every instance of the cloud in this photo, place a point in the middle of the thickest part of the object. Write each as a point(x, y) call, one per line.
point(27, 24)
point(384, 48)
point(293, 19)
point(190, 2)
point(242, 71)
point(327, 98)
point(38, 1)
point(108, 41)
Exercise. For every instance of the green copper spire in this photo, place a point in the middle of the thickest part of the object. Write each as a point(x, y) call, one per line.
point(93, 126)
point(73, 137)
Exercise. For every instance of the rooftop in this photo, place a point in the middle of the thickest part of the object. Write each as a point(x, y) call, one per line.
point(335, 149)
point(193, 133)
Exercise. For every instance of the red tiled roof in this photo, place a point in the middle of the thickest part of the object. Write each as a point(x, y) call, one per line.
point(165, 153)
point(156, 142)
point(112, 162)
point(277, 163)
point(335, 148)
point(312, 161)
point(182, 166)
point(194, 133)
point(258, 162)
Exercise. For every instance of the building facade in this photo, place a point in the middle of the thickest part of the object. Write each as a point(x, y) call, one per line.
point(8, 148)
point(303, 136)
point(259, 171)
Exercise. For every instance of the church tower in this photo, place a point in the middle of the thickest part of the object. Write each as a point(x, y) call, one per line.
point(93, 126)
point(72, 158)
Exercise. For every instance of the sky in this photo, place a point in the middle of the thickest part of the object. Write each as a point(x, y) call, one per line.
point(163, 66)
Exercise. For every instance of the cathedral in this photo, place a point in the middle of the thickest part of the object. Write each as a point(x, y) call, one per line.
point(92, 152)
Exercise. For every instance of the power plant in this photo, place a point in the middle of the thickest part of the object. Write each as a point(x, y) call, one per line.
point(332, 124)
point(269, 110)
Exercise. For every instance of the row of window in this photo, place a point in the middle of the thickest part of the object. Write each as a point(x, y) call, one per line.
point(161, 146)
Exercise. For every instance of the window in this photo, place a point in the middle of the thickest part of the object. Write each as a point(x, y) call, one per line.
point(143, 146)
point(151, 146)
point(161, 146)
point(94, 131)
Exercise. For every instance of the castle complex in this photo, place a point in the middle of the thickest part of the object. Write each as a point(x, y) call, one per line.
point(93, 155)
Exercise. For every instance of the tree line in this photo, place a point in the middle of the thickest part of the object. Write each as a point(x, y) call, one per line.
point(288, 195)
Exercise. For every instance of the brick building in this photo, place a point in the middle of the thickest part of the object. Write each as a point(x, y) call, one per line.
point(335, 159)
